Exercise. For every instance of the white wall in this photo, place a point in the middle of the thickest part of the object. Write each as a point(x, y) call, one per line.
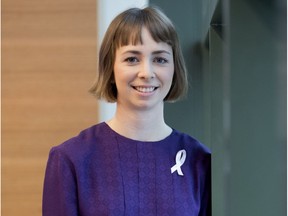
point(107, 10)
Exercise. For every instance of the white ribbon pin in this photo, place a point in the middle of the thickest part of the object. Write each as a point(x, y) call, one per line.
point(180, 159)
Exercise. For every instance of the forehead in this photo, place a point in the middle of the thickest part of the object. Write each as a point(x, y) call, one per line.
point(147, 44)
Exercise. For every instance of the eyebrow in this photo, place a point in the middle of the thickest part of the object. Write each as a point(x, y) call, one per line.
point(136, 52)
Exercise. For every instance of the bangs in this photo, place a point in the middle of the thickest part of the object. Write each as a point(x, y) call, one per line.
point(129, 30)
point(128, 34)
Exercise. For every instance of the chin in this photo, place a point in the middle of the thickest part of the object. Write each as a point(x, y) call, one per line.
point(148, 105)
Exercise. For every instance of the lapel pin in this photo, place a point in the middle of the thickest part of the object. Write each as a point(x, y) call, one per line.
point(180, 159)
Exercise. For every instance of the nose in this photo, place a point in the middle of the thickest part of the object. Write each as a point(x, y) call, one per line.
point(146, 70)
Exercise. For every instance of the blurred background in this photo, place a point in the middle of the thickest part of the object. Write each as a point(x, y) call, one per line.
point(236, 54)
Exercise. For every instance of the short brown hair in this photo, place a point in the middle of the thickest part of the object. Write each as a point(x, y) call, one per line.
point(125, 29)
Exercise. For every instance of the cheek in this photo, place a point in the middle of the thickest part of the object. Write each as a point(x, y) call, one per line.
point(169, 75)
point(118, 72)
point(122, 77)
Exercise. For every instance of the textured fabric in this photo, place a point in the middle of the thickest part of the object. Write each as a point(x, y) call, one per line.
point(101, 173)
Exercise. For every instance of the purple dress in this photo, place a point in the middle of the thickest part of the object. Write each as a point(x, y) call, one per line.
point(101, 173)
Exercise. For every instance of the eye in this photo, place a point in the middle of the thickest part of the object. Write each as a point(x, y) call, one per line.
point(131, 60)
point(160, 60)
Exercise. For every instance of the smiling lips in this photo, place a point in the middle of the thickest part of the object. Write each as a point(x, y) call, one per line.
point(144, 89)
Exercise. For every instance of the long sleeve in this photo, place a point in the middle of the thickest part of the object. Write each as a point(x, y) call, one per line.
point(206, 203)
point(60, 191)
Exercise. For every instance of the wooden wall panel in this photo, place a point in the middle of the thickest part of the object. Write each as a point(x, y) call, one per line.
point(48, 65)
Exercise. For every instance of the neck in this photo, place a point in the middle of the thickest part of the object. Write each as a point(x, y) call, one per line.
point(142, 125)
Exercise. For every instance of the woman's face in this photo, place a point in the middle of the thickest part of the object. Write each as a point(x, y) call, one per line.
point(143, 73)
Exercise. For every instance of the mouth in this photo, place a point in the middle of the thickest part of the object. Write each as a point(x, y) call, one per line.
point(144, 89)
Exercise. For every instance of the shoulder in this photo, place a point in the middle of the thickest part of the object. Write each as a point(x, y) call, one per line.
point(81, 144)
point(198, 154)
point(190, 143)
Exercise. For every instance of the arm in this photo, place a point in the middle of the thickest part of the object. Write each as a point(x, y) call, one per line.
point(206, 203)
point(60, 191)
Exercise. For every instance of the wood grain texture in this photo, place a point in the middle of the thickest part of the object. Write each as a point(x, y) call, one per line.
point(48, 64)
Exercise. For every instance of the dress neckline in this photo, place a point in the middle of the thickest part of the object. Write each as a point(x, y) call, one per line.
point(127, 139)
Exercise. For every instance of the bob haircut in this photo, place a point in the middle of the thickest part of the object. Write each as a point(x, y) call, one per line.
point(126, 29)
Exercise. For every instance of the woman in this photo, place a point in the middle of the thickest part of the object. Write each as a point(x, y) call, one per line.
point(133, 164)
